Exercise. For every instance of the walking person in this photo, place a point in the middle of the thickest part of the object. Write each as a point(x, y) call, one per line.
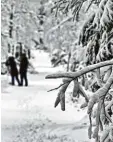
point(23, 69)
point(11, 64)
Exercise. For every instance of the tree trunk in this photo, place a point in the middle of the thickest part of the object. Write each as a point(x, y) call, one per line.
point(11, 16)
point(69, 56)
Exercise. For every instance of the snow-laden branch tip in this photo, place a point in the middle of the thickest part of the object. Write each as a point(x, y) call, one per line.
point(81, 72)
point(100, 93)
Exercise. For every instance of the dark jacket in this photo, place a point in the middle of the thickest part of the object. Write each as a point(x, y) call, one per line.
point(23, 64)
point(12, 64)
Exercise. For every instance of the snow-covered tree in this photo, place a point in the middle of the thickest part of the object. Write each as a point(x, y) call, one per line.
point(96, 40)
point(21, 25)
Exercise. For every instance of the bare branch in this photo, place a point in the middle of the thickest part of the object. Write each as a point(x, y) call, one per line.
point(56, 87)
point(68, 81)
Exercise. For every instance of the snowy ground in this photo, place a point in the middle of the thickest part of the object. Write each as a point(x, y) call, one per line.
point(28, 113)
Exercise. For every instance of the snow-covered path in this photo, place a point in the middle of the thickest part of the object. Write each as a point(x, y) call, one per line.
point(28, 113)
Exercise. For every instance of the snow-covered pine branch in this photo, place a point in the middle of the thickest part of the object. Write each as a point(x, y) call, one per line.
point(81, 72)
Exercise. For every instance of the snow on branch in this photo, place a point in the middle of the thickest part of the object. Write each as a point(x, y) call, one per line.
point(81, 72)
point(61, 95)
point(100, 94)
point(74, 5)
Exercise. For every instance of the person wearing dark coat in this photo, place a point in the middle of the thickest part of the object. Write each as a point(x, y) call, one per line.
point(23, 69)
point(13, 70)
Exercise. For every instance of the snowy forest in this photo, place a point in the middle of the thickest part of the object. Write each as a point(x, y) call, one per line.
point(69, 94)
